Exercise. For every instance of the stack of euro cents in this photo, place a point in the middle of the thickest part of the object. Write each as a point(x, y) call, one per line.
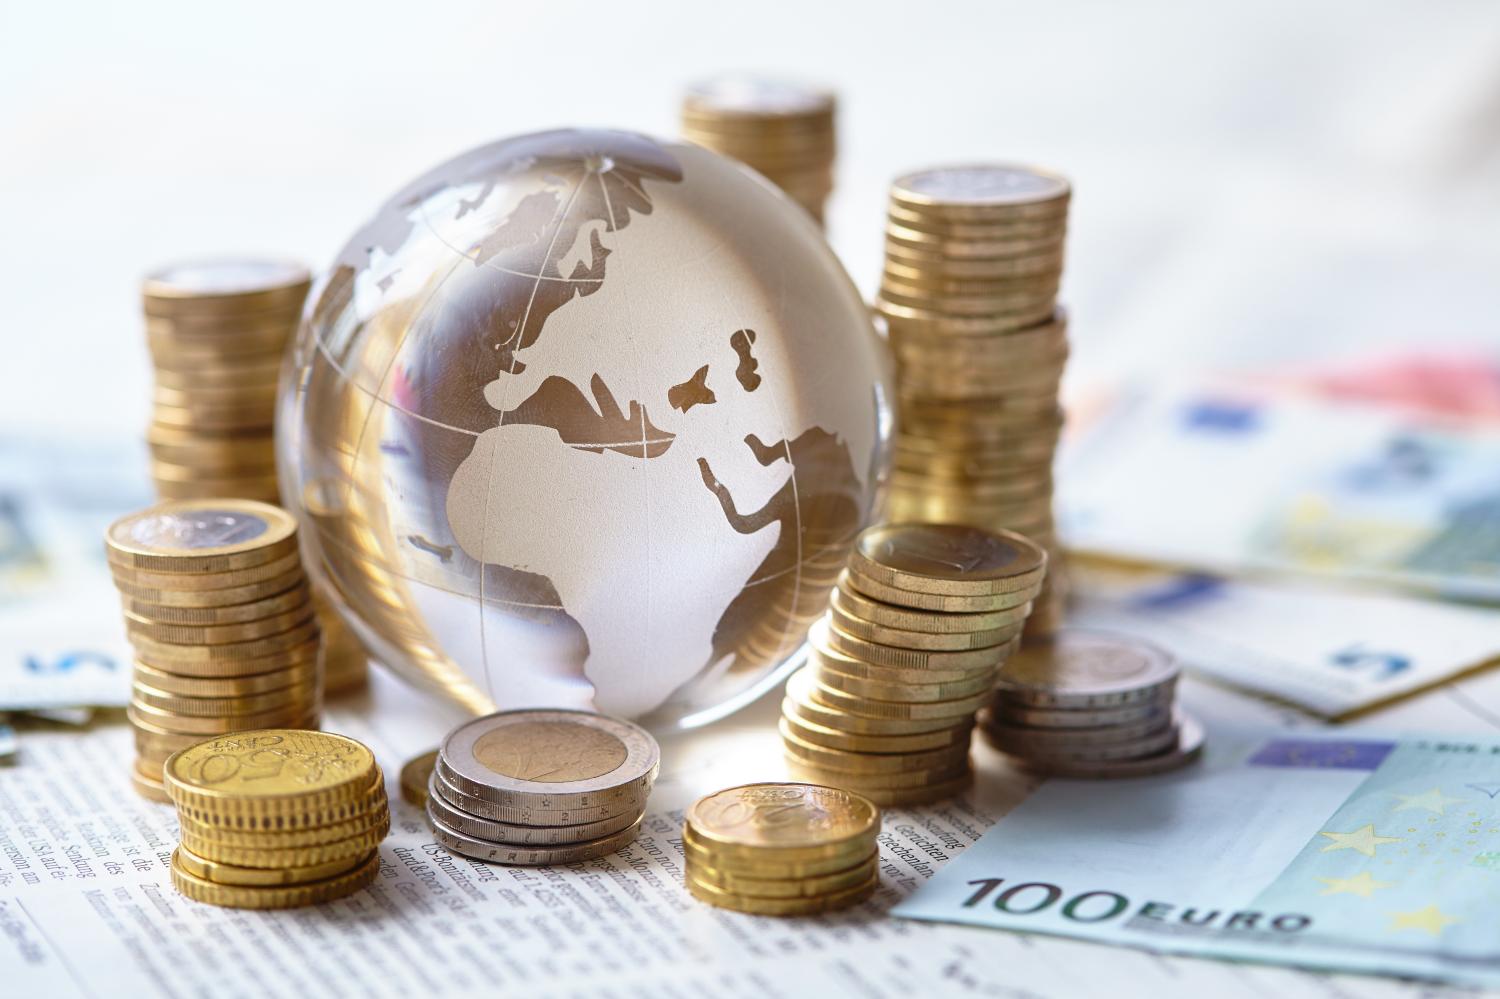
point(540, 787)
point(276, 818)
point(217, 330)
point(920, 624)
point(782, 849)
point(219, 614)
point(782, 129)
point(973, 262)
point(1091, 705)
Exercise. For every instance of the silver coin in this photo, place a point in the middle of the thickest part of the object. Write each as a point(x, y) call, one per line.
point(1085, 669)
point(531, 856)
point(1189, 745)
point(1023, 740)
point(1159, 740)
point(516, 833)
point(1008, 712)
point(550, 760)
point(535, 816)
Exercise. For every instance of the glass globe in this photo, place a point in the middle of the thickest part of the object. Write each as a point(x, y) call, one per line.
point(584, 419)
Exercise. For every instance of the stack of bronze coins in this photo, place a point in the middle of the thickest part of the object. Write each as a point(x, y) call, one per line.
point(973, 260)
point(276, 818)
point(782, 849)
point(217, 330)
point(920, 623)
point(220, 616)
point(784, 130)
point(1088, 704)
point(535, 787)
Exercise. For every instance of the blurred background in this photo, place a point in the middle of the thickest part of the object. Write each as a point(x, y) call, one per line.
point(1255, 182)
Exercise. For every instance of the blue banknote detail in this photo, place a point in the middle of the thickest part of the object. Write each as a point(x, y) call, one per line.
point(1351, 754)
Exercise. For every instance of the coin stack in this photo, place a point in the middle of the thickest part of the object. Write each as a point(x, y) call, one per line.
point(973, 259)
point(217, 330)
point(219, 613)
point(276, 818)
point(535, 788)
point(920, 622)
point(782, 849)
point(1089, 704)
point(784, 130)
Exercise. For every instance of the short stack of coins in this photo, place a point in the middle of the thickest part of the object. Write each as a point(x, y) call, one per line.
point(1091, 705)
point(276, 818)
point(782, 849)
point(973, 261)
point(920, 624)
point(219, 614)
point(540, 787)
point(217, 330)
point(784, 130)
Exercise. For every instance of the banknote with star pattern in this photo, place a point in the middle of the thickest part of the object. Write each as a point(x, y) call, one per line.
point(1331, 851)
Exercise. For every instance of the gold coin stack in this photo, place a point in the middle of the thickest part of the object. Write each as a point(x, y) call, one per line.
point(536, 788)
point(217, 330)
point(784, 130)
point(1087, 704)
point(920, 623)
point(220, 616)
point(782, 849)
point(276, 818)
point(973, 260)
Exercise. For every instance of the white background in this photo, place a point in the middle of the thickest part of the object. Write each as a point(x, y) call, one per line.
point(1255, 180)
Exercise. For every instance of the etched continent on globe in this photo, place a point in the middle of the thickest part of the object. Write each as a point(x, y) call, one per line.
point(582, 419)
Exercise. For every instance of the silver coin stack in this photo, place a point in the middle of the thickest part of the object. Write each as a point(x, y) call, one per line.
point(535, 787)
point(1091, 705)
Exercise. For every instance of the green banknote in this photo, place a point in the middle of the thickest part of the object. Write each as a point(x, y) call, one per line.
point(1324, 851)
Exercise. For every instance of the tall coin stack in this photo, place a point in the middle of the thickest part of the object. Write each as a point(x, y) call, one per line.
point(1087, 704)
point(217, 330)
point(920, 623)
point(276, 818)
point(781, 849)
point(220, 616)
point(973, 259)
point(534, 788)
point(784, 130)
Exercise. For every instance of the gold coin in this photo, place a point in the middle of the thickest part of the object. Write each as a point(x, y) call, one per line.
point(925, 640)
point(840, 663)
point(163, 653)
point(262, 877)
point(226, 287)
point(782, 821)
point(198, 537)
point(211, 458)
point(415, 775)
point(227, 596)
point(940, 602)
point(319, 827)
point(210, 725)
point(800, 692)
point(859, 781)
point(217, 634)
point(275, 772)
point(256, 610)
point(807, 906)
point(822, 884)
point(278, 897)
point(833, 738)
point(947, 559)
point(151, 790)
point(847, 761)
point(983, 191)
point(876, 654)
point(154, 579)
point(1030, 305)
point(934, 622)
point(297, 699)
point(992, 321)
point(939, 691)
point(769, 864)
point(899, 797)
point(923, 233)
point(949, 710)
point(241, 377)
point(217, 850)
